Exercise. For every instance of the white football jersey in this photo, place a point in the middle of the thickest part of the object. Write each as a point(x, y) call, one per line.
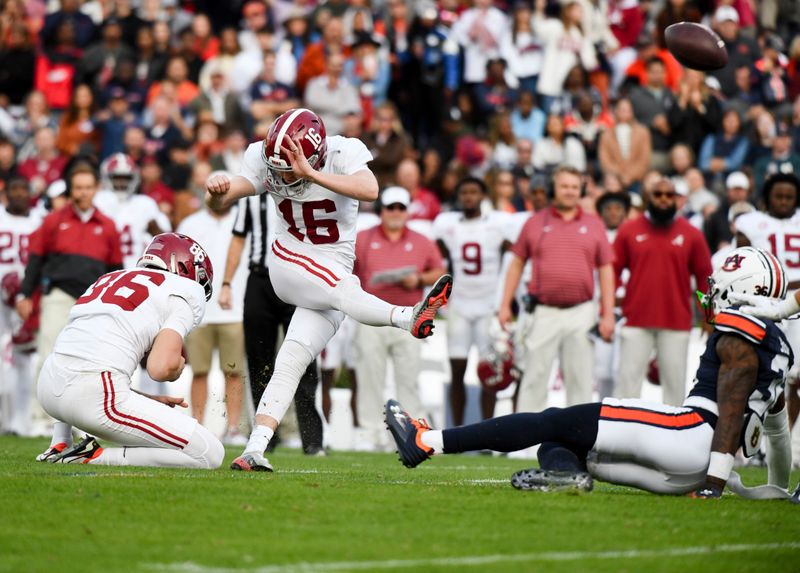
point(318, 216)
point(781, 237)
point(132, 217)
point(15, 232)
point(117, 319)
point(474, 246)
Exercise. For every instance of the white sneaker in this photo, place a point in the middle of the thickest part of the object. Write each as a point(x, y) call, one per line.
point(250, 462)
point(234, 437)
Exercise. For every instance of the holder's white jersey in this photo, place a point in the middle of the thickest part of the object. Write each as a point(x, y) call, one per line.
point(474, 246)
point(132, 217)
point(117, 319)
point(15, 232)
point(318, 216)
point(781, 237)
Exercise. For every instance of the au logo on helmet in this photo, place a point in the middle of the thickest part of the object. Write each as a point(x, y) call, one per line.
point(733, 263)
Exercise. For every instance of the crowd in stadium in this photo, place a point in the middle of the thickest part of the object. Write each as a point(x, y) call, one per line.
point(150, 97)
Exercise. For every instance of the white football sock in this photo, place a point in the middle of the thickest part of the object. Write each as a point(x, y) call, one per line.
point(433, 439)
point(259, 440)
point(62, 433)
point(351, 299)
point(401, 316)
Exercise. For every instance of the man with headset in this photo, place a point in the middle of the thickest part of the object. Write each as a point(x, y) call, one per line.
point(565, 246)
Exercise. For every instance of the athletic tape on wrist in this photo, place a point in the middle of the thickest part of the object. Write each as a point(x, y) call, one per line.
point(720, 465)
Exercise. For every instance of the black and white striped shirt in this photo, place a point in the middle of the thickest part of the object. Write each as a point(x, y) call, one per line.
point(254, 219)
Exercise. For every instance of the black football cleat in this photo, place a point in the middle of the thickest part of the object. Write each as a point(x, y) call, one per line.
point(407, 433)
point(81, 453)
point(425, 310)
point(536, 479)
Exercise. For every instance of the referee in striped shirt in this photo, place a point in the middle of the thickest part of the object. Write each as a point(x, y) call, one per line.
point(264, 312)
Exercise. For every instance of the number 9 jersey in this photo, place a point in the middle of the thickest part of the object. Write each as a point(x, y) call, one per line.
point(315, 216)
point(114, 324)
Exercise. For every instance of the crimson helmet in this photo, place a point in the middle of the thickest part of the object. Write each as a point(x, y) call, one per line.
point(180, 255)
point(298, 124)
point(9, 288)
point(119, 173)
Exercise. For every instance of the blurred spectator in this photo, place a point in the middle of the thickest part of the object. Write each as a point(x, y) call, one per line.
point(96, 66)
point(77, 132)
point(124, 78)
point(646, 50)
point(699, 200)
point(45, 165)
point(651, 102)
point(502, 190)
point(423, 203)
point(256, 17)
point(724, 152)
point(269, 97)
point(561, 291)
point(55, 66)
point(793, 69)
point(387, 142)
point(135, 143)
point(527, 120)
point(675, 11)
point(626, 19)
point(112, 122)
point(522, 49)
point(205, 44)
point(36, 114)
point(625, 149)
point(772, 75)
point(747, 98)
point(331, 95)
point(697, 111)
point(565, 46)
point(163, 134)
point(230, 157)
point(63, 261)
point(297, 33)
point(413, 261)
point(588, 121)
point(69, 13)
point(122, 12)
point(781, 160)
point(222, 105)
point(207, 140)
point(223, 60)
point(17, 64)
point(185, 49)
point(177, 73)
point(502, 140)
point(742, 49)
point(221, 328)
point(556, 148)
point(153, 187)
point(315, 58)
point(494, 94)
point(717, 225)
point(8, 161)
point(368, 72)
point(151, 61)
point(480, 31)
point(248, 64)
point(764, 133)
point(662, 253)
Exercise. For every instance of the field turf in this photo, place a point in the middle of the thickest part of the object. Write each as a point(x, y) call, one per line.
point(365, 512)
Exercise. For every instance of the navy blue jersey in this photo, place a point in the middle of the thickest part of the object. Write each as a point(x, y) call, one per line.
point(775, 358)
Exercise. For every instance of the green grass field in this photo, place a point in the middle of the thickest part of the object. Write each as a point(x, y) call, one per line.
point(365, 512)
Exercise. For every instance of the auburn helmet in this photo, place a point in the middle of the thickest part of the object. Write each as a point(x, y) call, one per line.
point(303, 126)
point(119, 173)
point(180, 255)
point(746, 270)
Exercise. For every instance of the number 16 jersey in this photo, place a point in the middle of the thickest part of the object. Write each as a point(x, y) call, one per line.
point(317, 216)
point(116, 321)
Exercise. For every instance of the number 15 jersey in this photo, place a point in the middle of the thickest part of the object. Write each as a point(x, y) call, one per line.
point(317, 216)
point(116, 321)
point(781, 237)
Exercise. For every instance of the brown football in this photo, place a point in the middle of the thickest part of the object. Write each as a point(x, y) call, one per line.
point(696, 46)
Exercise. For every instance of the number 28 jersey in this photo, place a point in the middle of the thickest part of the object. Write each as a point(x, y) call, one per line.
point(116, 321)
point(781, 237)
point(474, 249)
point(318, 216)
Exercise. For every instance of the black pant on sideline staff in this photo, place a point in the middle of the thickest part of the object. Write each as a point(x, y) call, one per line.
point(264, 312)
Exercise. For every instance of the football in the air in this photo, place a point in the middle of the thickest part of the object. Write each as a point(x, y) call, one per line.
point(696, 46)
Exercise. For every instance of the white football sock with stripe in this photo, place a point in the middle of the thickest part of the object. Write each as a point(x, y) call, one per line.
point(62, 434)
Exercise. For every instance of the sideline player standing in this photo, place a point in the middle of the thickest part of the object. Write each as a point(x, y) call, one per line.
point(474, 244)
point(122, 317)
point(316, 182)
point(655, 447)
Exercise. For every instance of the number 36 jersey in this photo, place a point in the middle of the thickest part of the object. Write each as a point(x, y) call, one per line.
point(474, 249)
point(116, 321)
point(317, 216)
point(781, 237)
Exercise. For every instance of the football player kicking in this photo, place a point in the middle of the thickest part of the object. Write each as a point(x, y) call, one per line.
point(316, 182)
point(663, 449)
point(122, 317)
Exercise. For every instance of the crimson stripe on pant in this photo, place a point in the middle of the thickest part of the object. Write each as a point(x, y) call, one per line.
point(301, 264)
point(111, 411)
point(309, 260)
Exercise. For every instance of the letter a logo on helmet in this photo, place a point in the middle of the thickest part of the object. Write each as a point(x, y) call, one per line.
point(306, 129)
point(181, 255)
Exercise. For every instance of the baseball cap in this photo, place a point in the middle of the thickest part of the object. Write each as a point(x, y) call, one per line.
point(395, 194)
point(737, 180)
point(57, 188)
point(681, 188)
point(725, 13)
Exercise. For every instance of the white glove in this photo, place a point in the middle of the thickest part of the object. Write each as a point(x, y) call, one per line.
point(764, 307)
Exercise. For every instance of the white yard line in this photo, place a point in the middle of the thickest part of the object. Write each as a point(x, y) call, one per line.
point(475, 560)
